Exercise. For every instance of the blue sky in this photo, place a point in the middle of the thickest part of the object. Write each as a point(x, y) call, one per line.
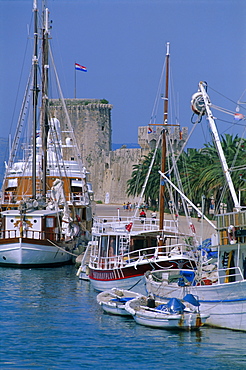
point(123, 44)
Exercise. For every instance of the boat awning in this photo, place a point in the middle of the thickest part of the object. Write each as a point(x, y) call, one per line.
point(77, 183)
point(12, 183)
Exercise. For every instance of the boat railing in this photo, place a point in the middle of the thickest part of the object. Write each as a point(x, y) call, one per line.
point(30, 234)
point(130, 224)
point(151, 254)
point(229, 275)
point(76, 198)
point(10, 197)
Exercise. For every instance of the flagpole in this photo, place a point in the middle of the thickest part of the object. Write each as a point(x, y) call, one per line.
point(74, 81)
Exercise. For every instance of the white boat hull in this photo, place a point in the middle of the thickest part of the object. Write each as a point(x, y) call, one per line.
point(115, 310)
point(225, 303)
point(187, 321)
point(113, 301)
point(135, 283)
point(22, 254)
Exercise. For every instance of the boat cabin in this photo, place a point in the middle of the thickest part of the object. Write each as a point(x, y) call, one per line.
point(121, 248)
point(232, 245)
point(38, 224)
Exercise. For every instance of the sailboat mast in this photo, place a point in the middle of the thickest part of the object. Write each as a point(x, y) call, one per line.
point(163, 146)
point(35, 92)
point(218, 145)
point(45, 102)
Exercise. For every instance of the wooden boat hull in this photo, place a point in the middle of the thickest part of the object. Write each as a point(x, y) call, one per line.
point(25, 252)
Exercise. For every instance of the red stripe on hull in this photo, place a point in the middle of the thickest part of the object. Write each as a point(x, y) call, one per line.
point(131, 271)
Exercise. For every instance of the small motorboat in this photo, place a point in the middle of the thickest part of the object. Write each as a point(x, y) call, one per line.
point(113, 301)
point(172, 314)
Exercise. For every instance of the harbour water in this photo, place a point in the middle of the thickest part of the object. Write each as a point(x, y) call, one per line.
point(50, 320)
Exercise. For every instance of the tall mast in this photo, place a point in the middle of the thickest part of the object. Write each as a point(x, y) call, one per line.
point(218, 145)
point(164, 149)
point(35, 92)
point(45, 102)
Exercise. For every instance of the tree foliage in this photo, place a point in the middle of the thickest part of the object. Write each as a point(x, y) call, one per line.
point(200, 171)
point(139, 174)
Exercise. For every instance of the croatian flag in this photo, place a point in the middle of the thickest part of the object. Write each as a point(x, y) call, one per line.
point(238, 116)
point(150, 130)
point(80, 68)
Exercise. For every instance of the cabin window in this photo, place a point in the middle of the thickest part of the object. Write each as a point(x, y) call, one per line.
point(104, 246)
point(112, 251)
point(138, 244)
point(12, 183)
point(50, 222)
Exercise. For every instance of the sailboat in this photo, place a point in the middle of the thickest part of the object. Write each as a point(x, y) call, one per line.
point(220, 284)
point(45, 200)
point(124, 248)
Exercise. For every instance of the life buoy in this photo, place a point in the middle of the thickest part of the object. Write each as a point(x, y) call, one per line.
point(197, 103)
point(231, 235)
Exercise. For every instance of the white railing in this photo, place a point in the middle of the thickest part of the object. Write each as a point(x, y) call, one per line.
point(116, 224)
point(151, 254)
point(30, 234)
point(229, 275)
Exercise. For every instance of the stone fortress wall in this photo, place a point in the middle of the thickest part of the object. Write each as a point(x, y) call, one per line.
point(109, 170)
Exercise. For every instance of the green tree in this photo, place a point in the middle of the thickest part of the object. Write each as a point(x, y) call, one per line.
point(203, 173)
point(139, 174)
point(200, 171)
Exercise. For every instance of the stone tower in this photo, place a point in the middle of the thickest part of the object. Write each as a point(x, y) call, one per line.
point(91, 121)
point(109, 170)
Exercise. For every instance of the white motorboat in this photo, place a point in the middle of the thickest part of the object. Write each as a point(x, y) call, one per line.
point(113, 301)
point(170, 314)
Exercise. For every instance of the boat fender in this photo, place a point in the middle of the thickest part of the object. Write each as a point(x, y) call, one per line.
point(192, 227)
point(151, 302)
point(74, 229)
point(78, 218)
point(231, 234)
point(206, 281)
point(181, 282)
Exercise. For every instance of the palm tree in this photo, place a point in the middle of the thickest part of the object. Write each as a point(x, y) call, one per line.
point(204, 174)
point(139, 173)
point(200, 172)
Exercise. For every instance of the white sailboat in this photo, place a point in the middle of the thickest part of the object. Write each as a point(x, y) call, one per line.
point(124, 248)
point(45, 203)
point(221, 285)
